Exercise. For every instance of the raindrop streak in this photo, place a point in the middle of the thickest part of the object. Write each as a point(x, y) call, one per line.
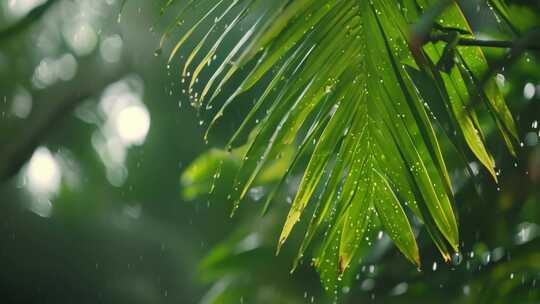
point(215, 177)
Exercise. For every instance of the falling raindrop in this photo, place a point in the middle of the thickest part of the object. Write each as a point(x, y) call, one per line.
point(457, 258)
point(487, 258)
point(529, 90)
point(400, 289)
point(466, 290)
point(501, 80)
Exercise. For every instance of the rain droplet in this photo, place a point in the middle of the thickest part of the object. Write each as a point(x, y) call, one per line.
point(457, 258)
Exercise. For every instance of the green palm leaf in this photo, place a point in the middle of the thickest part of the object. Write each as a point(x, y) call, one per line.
point(342, 74)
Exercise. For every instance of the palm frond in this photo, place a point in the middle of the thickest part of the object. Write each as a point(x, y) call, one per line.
point(341, 80)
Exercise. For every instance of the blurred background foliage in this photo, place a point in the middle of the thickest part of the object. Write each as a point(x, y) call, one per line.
point(95, 135)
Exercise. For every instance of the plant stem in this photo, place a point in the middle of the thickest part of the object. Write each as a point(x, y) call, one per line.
point(421, 29)
point(483, 43)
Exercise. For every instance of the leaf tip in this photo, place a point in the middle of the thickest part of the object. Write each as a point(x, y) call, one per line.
point(280, 244)
point(342, 264)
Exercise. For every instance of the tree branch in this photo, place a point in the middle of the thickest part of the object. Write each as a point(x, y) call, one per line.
point(42, 122)
point(34, 15)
